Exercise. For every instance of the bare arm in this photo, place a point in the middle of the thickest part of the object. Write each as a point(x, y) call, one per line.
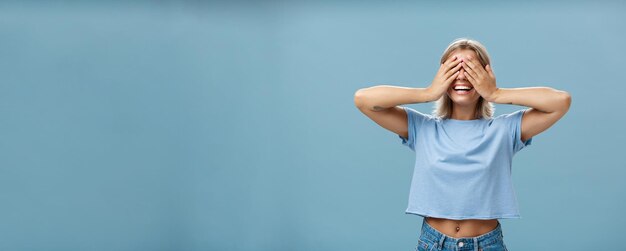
point(547, 104)
point(544, 99)
point(382, 97)
point(380, 103)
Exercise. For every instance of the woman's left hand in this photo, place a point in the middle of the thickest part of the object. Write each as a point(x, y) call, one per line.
point(483, 79)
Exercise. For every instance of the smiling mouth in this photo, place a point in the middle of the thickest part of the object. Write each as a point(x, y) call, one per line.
point(463, 89)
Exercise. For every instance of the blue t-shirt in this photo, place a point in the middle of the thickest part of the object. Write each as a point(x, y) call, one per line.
point(463, 167)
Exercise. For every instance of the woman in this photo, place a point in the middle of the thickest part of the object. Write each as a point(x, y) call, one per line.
point(462, 178)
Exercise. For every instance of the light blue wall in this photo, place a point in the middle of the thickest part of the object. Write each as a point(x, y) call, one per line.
point(231, 126)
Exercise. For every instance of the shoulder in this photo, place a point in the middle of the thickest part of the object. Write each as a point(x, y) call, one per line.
point(508, 120)
point(417, 115)
point(510, 116)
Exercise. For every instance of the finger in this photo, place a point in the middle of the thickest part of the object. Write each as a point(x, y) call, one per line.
point(452, 77)
point(475, 65)
point(445, 66)
point(471, 63)
point(453, 70)
point(490, 71)
point(450, 59)
point(470, 78)
point(470, 71)
point(452, 63)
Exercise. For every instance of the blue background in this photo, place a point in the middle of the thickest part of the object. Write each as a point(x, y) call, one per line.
point(231, 126)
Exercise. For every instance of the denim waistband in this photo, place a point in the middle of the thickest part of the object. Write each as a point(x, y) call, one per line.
point(469, 243)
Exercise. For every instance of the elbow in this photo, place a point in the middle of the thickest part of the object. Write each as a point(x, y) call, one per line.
point(565, 101)
point(359, 98)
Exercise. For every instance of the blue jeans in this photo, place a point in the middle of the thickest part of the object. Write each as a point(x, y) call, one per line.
point(431, 239)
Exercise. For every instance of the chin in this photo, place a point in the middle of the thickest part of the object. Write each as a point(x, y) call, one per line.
point(463, 100)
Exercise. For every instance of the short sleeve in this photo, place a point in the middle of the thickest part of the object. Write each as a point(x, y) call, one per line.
point(515, 127)
point(415, 121)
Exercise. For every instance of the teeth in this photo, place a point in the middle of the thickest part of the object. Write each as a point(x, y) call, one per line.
point(462, 88)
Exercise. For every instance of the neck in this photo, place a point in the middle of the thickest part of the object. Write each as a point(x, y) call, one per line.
point(463, 112)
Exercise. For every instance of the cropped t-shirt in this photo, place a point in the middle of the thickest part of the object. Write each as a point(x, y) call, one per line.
point(463, 167)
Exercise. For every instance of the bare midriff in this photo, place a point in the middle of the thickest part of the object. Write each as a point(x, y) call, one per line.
point(462, 228)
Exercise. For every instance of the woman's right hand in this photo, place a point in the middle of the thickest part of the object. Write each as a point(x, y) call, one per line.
point(448, 71)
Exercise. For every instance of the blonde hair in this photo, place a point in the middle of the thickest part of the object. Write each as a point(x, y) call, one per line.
point(443, 106)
